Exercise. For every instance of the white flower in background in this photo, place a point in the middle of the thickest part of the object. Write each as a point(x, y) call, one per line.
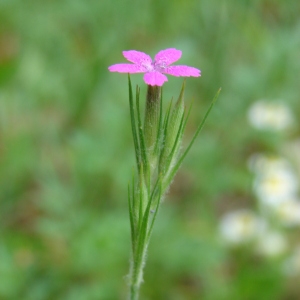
point(271, 244)
point(260, 163)
point(288, 212)
point(291, 266)
point(241, 226)
point(275, 186)
point(270, 115)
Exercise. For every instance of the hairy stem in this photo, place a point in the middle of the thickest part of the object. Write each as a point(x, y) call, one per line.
point(137, 265)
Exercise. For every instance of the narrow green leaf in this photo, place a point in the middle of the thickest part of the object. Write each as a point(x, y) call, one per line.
point(164, 132)
point(133, 125)
point(167, 117)
point(157, 207)
point(134, 203)
point(173, 134)
point(131, 218)
point(142, 233)
point(141, 197)
point(188, 115)
point(141, 137)
point(178, 164)
point(144, 226)
point(176, 144)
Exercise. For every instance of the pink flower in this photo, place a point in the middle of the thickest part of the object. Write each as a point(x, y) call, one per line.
point(142, 63)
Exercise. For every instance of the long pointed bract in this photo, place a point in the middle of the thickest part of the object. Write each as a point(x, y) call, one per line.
point(157, 165)
point(133, 125)
point(178, 164)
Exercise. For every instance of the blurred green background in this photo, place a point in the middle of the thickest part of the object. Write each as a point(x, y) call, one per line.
point(66, 151)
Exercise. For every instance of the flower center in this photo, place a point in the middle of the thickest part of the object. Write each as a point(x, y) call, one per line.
point(148, 66)
point(160, 66)
point(154, 66)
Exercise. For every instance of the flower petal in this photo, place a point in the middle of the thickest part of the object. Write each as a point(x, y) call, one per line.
point(155, 78)
point(184, 71)
point(167, 56)
point(137, 57)
point(126, 68)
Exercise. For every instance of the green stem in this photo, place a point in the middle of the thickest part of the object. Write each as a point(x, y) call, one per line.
point(138, 262)
point(142, 239)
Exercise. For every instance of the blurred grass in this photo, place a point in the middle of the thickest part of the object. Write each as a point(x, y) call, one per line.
point(67, 154)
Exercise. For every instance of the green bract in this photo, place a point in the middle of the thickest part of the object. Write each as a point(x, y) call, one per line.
point(157, 150)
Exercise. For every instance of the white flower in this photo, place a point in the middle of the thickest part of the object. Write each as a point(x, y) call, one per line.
point(240, 226)
point(288, 212)
point(271, 243)
point(275, 186)
point(267, 115)
point(260, 163)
